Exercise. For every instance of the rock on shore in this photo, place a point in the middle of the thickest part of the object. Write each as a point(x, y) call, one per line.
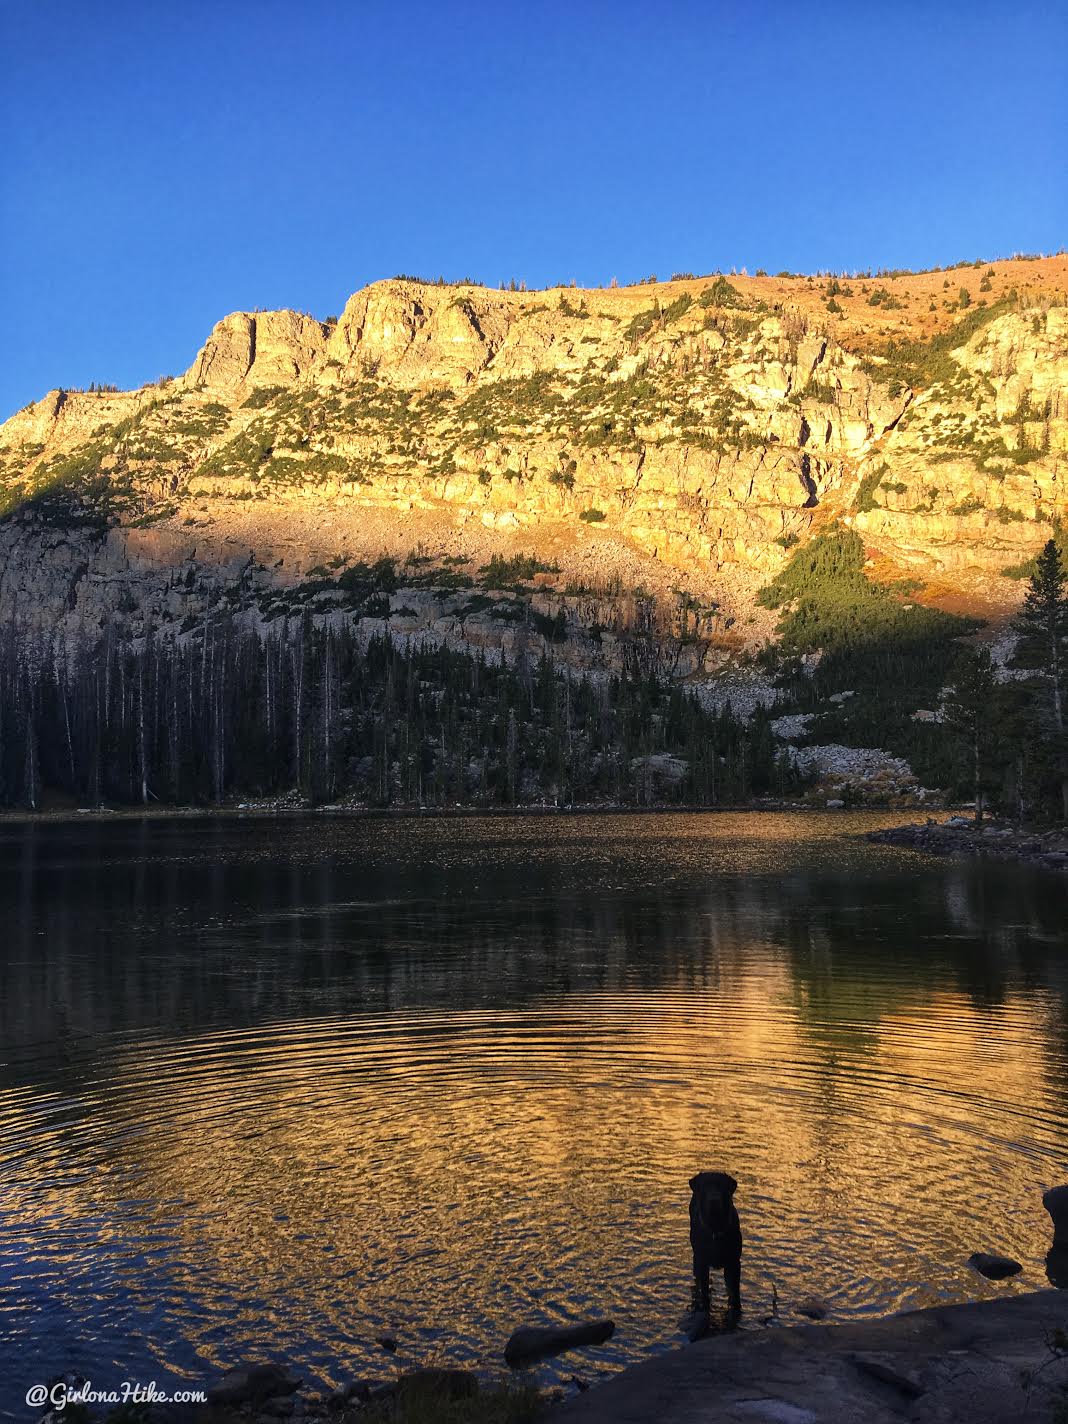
point(986, 1362)
point(961, 835)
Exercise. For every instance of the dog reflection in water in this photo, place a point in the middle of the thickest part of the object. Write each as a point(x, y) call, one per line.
point(716, 1239)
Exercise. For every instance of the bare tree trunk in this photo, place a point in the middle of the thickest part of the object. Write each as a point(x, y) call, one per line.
point(1058, 722)
point(141, 760)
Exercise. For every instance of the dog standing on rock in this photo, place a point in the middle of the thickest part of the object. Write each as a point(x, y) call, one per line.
point(716, 1236)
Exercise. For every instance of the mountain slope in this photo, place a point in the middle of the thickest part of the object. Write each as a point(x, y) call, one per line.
point(636, 463)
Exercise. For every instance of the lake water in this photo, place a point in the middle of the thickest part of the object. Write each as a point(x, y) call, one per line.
point(273, 1087)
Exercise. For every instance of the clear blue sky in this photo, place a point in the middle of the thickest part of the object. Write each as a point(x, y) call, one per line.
point(163, 165)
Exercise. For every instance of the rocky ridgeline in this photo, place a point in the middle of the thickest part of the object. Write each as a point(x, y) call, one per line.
point(961, 835)
point(668, 442)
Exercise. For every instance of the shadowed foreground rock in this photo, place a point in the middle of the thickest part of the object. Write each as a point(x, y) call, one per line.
point(960, 1362)
point(253, 1385)
point(533, 1342)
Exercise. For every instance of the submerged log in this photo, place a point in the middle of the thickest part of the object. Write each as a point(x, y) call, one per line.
point(532, 1342)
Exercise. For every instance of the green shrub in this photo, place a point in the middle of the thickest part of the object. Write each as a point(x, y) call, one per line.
point(642, 324)
point(865, 500)
point(261, 396)
point(919, 364)
point(593, 516)
point(722, 294)
point(971, 505)
point(508, 573)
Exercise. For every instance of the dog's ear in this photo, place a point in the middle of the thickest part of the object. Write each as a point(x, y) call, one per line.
point(731, 1184)
point(693, 1184)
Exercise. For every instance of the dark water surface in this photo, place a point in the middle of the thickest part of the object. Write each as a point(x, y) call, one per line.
point(274, 1087)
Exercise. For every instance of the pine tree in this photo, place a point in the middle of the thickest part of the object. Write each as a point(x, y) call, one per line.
point(969, 710)
point(1042, 651)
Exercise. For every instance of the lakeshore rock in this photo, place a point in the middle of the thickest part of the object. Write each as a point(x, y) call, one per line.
point(280, 1407)
point(987, 1362)
point(355, 1389)
point(993, 1266)
point(254, 1384)
point(814, 1308)
point(958, 836)
point(532, 1342)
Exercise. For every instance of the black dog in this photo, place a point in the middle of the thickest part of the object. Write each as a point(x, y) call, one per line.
point(716, 1236)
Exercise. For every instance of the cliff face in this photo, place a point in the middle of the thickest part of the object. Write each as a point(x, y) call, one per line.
point(677, 439)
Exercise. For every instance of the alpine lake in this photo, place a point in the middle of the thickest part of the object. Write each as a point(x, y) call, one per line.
point(272, 1087)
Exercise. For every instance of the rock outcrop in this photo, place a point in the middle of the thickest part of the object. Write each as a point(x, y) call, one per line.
point(674, 441)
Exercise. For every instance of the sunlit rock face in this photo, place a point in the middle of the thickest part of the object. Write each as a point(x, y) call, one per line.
point(245, 351)
point(677, 439)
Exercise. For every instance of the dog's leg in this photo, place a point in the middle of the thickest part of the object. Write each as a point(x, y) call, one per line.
point(732, 1276)
point(702, 1289)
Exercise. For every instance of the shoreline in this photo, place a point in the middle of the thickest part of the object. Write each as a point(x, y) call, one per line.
point(987, 1361)
point(74, 815)
point(1046, 848)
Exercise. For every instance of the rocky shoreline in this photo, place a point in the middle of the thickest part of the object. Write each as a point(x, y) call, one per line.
point(960, 835)
point(987, 1362)
point(264, 810)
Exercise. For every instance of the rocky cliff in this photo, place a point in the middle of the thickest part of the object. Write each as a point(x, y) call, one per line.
point(637, 461)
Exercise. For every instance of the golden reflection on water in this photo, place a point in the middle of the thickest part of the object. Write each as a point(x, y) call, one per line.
point(445, 1100)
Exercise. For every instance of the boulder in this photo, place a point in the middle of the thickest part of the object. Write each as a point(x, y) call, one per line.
point(814, 1308)
point(993, 1266)
point(254, 1384)
point(531, 1342)
point(356, 1389)
point(280, 1407)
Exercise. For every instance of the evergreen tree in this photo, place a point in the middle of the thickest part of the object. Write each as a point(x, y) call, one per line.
point(968, 710)
point(224, 710)
point(1042, 653)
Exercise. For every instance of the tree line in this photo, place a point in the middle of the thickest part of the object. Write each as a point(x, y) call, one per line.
point(227, 711)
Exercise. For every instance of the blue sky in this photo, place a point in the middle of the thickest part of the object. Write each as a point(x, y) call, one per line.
point(161, 166)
